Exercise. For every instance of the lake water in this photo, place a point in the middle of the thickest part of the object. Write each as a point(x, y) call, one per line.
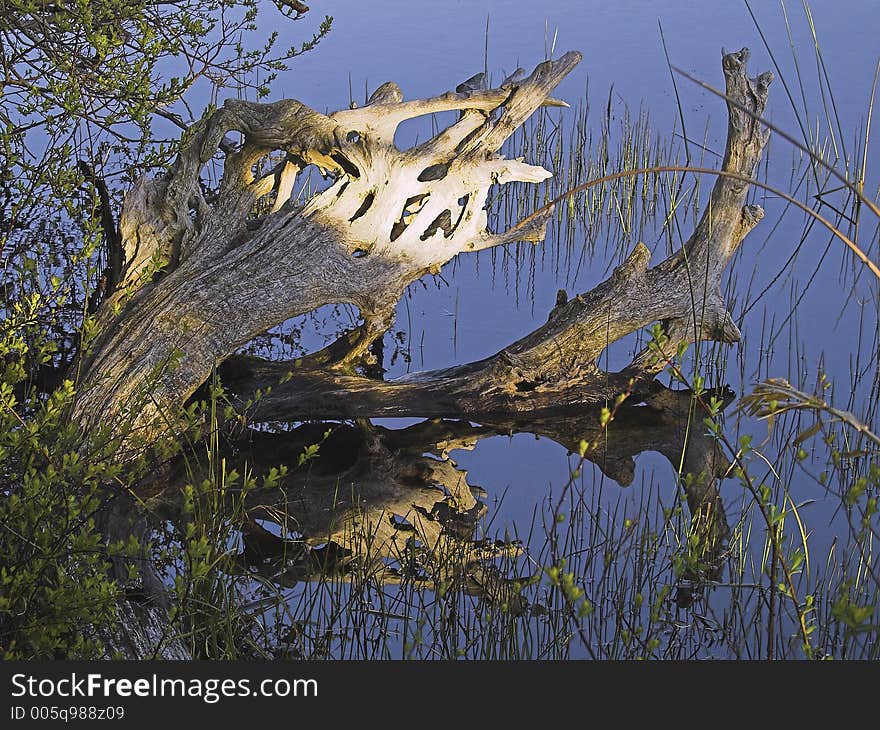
point(803, 306)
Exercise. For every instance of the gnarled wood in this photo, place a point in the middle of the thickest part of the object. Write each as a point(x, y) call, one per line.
point(375, 230)
point(202, 279)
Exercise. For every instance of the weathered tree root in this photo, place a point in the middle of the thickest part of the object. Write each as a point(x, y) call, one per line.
point(201, 279)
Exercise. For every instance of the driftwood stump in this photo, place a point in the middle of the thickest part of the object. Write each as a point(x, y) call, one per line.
point(203, 275)
point(201, 279)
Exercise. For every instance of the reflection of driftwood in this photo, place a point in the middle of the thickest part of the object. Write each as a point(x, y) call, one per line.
point(393, 500)
point(557, 364)
point(668, 422)
point(374, 502)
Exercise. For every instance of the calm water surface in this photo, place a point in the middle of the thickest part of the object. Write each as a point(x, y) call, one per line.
point(486, 302)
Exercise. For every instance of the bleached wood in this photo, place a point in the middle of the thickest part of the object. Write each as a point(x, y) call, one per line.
point(201, 280)
point(557, 365)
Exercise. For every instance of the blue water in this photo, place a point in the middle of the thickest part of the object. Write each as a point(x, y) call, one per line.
point(429, 47)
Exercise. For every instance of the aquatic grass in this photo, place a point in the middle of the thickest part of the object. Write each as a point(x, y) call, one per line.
point(613, 573)
point(636, 560)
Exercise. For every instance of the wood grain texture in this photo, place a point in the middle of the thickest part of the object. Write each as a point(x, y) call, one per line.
point(204, 277)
